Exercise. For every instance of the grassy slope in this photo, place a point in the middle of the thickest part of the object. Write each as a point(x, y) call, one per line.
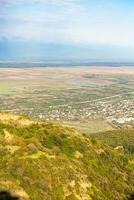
point(45, 161)
point(120, 137)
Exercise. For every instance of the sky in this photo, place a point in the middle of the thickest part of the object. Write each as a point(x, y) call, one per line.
point(38, 30)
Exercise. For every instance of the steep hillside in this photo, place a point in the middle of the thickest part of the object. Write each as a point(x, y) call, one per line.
point(45, 161)
point(118, 139)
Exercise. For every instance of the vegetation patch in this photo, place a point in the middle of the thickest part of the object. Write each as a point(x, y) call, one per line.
point(46, 161)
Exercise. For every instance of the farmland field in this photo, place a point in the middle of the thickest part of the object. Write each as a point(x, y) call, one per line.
point(102, 98)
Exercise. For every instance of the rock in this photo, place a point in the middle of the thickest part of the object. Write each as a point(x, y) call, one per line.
point(120, 148)
point(99, 151)
point(32, 148)
point(78, 155)
point(42, 148)
point(14, 190)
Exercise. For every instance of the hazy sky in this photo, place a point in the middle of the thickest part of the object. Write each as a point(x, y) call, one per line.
point(67, 29)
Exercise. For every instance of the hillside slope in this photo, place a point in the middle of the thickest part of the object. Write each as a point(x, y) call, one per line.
point(123, 138)
point(45, 161)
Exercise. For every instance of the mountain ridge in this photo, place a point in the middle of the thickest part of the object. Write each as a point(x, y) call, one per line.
point(44, 160)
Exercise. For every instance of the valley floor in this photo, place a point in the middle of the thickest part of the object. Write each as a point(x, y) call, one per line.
point(73, 95)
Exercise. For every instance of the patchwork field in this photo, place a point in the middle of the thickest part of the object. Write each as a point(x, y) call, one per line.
point(74, 96)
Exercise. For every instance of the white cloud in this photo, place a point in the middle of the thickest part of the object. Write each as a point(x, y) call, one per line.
point(41, 23)
point(66, 3)
point(69, 22)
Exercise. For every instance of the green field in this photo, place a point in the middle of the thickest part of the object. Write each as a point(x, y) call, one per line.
point(92, 126)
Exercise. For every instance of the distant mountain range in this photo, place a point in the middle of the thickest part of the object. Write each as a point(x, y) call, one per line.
point(65, 63)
